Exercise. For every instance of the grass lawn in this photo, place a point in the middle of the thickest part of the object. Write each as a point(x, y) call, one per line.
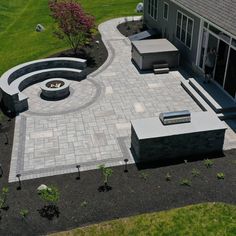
point(211, 219)
point(18, 18)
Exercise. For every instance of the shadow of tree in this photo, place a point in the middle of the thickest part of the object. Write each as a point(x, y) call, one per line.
point(49, 212)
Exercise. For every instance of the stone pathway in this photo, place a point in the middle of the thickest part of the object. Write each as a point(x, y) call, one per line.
point(92, 126)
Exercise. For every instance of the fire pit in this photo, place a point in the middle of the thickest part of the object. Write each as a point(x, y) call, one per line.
point(55, 89)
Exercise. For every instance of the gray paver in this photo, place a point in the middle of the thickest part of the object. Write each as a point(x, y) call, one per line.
point(55, 142)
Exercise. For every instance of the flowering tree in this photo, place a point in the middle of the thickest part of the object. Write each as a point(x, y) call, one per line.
point(74, 25)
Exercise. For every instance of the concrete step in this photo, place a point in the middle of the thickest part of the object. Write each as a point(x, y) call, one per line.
point(213, 96)
point(194, 95)
point(161, 70)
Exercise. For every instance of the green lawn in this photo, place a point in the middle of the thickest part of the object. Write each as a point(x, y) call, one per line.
point(209, 219)
point(20, 43)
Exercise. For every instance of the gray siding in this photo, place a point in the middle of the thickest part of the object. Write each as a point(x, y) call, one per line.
point(168, 28)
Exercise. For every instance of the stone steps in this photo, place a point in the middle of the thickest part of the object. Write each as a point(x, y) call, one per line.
point(217, 100)
point(195, 96)
point(203, 104)
point(161, 70)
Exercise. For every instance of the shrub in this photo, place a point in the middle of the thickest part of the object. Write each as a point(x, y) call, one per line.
point(107, 172)
point(50, 195)
point(168, 177)
point(220, 175)
point(195, 172)
point(185, 182)
point(84, 204)
point(24, 213)
point(3, 198)
point(74, 25)
point(208, 163)
point(1, 118)
point(143, 175)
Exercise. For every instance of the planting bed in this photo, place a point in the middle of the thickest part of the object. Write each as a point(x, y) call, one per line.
point(131, 27)
point(95, 53)
point(141, 189)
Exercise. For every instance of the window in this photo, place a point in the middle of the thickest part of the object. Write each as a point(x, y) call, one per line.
point(153, 8)
point(234, 42)
point(184, 29)
point(166, 11)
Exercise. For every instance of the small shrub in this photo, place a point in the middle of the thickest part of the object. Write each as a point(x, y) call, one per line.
point(185, 182)
point(84, 204)
point(168, 177)
point(3, 198)
point(220, 175)
point(50, 195)
point(208, 163)
point(107, 172)
point(1, 118)
point(24, 213)
point(143, 175)
point(195, 172)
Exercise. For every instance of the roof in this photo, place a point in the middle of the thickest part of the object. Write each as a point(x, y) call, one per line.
point(220, 12)
point(154, 46)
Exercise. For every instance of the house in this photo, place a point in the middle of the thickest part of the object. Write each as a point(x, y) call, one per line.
point(195, 27)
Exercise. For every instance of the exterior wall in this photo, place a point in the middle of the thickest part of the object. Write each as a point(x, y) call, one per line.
point(171, 58)
point(168, 29)
point(178, 146)
point(137, 57)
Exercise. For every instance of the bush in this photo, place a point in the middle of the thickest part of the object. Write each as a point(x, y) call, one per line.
point(50, 195)
point(107, 172)
point(185, 182)
point(3, 198)
point(24, 213)
point(75, 26)
point(195, 172)
point(168, 177)
point(220, 175)
point(208, 163)
point(143, 175)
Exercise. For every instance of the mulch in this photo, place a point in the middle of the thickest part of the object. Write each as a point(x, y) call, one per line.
point(95, 53)
point(142, 189)
point(131, 27)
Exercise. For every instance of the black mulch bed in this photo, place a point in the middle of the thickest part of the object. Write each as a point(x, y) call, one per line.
point(131, 27)
point(95, 54)
point(137, 191)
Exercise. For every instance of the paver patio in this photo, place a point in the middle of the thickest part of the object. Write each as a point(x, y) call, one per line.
point(92, 126)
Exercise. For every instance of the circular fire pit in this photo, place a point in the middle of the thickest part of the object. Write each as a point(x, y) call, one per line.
point(55, 89)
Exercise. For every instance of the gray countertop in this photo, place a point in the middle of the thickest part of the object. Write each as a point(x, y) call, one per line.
point(153, 127)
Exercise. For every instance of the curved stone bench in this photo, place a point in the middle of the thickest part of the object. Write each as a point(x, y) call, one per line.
point(15, 80)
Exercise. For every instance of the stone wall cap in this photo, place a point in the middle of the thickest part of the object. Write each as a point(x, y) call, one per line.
point(200, 122)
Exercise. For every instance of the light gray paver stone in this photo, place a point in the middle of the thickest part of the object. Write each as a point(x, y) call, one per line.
point(58, 137)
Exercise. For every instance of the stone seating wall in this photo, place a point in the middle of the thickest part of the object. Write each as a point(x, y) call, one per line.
point(15, 80)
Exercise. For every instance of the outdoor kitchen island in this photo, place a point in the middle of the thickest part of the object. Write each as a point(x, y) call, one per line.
point(151, 140)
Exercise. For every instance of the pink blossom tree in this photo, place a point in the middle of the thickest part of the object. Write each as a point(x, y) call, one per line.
point(75, 26)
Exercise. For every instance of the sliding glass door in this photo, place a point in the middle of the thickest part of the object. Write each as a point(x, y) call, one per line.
point(222, 55)
point(230, 81)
